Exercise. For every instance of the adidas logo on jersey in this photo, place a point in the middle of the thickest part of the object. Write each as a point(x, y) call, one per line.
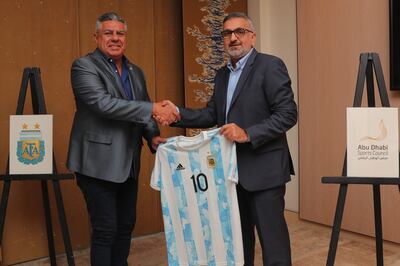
point(180, 167)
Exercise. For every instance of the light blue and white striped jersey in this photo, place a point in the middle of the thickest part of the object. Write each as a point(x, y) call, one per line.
point(197, 177)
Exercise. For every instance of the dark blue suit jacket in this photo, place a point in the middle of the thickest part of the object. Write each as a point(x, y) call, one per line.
point(263, 104)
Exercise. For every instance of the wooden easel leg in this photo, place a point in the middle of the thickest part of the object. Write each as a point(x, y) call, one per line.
point(336, 224)
point(63, 222)
point(49, 226)
point(3, 207)
point(378, 225)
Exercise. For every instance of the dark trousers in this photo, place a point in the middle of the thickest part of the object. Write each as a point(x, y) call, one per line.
point(112, 211)
point(264, 210)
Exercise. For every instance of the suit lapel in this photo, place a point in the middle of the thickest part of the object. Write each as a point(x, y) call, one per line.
point(225, 80)
point(119, 86)
point(243, 77)
point(100, 62)
point(134, 79)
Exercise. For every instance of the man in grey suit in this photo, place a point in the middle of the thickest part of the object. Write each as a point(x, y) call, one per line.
point(113, 113)
point(253, 103)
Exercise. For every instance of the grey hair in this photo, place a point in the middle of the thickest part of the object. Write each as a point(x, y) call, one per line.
point(110, 16)
point(240, 15)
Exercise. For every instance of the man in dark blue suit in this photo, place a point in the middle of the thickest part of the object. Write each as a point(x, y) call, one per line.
point(253, 103)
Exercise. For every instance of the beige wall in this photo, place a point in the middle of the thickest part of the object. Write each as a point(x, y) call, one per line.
point(331, 36)
point(275, 22)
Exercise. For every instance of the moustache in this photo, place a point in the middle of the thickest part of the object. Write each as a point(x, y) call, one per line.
point(234, 43)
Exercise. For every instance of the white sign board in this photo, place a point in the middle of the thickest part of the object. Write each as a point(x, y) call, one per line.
point(372, 142)
point(31, 144)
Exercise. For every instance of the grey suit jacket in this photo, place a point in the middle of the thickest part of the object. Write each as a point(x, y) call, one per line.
point(263, 105)
point(106, 135)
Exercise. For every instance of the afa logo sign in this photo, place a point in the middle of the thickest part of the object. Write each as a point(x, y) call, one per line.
point(30, 146)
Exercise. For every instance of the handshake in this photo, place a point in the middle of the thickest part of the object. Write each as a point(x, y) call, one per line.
point(165, 112)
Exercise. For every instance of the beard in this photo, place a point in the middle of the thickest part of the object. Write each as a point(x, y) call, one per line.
point(237, 52)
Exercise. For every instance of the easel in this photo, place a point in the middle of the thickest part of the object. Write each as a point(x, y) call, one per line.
point(32, 75)
point(368, 61)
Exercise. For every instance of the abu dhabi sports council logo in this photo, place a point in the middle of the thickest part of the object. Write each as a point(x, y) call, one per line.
point(375, 148)
point(30, 146)
point(372, 142)
point(180, 167)
point(383, 132)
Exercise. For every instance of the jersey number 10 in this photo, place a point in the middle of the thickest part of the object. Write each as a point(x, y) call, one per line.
point(199, 182)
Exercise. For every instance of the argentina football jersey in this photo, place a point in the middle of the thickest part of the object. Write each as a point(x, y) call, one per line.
point(197, 179)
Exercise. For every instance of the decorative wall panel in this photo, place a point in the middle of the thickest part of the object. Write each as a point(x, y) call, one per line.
point(203, 46)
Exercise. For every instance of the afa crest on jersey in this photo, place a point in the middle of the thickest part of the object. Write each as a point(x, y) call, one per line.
point(211, 162)
point(30, 145)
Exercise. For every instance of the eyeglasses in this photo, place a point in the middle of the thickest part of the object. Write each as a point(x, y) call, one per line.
point(239, 32)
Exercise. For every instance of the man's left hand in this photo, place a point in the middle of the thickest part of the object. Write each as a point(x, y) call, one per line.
point(157, 141)
point(234, 133)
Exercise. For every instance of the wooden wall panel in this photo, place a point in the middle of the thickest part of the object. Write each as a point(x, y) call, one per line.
point(168, 70)
point(141, 51)
point(154, 44)
point(43, 34)
point(51, 34)
point(331, 35)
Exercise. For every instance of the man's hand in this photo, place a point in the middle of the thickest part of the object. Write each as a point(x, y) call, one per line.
point(234, 133)
point(165, 112)
point(157, 140)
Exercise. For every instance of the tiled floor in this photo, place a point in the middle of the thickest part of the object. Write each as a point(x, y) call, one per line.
point(309, 242)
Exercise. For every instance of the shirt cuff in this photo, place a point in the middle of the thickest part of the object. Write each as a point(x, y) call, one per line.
point(248, 136)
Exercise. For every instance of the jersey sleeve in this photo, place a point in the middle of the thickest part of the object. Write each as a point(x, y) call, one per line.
point(155, 181)
point(232, 168)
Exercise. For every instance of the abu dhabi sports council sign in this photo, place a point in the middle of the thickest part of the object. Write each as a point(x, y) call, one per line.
point(372, 142)
point(31, 144)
